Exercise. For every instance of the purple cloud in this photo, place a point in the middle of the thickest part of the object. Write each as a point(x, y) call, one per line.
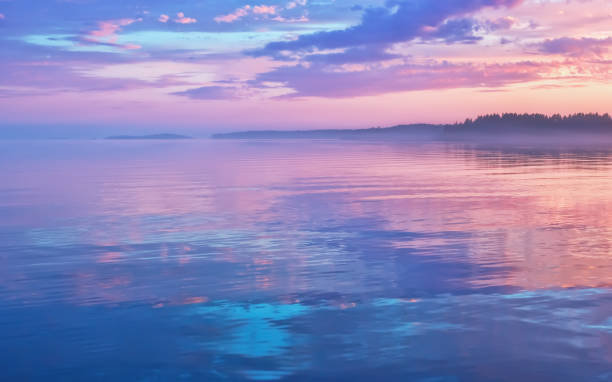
point(576, 47)
point(315, 81)
point(210, 93)
point(454, 31)
point(502, 23)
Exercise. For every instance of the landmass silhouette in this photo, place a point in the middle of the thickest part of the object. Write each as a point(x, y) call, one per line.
point(151, 136)
point(494, 127)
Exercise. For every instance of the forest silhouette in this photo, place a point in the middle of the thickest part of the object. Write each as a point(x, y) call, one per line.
point(489, 127)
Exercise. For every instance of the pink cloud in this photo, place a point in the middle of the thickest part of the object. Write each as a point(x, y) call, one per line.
point(2, 17)
point(111, 27)
point(236, 15)
point(163, 18)
point(132, 46)
point(264, 9)
point(107, 33)
point(181, 19)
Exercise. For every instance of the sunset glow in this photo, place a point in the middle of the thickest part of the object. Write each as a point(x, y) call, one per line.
point(202, 67)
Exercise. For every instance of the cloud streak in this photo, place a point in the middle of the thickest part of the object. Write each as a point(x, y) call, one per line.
point(234, 16)
point(317, 81)
point(210, 93)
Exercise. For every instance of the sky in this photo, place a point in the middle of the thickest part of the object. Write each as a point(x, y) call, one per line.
point(87, 67)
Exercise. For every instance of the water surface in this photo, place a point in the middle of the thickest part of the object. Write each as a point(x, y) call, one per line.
point(304, 260)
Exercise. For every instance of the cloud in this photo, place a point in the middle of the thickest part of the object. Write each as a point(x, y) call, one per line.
point(111, 27)
point(106, 33)
point(2, 17)
point(264, 9)
point(53, 77)
point(268, 12)
point(210, 93)
point(502, 23)
point(316, 80)
point(398, 21)
point(296, 3)
point(301, 19)
point(181, 19)
point(353, 55)
point(236, 15)
point(576, 47)
point(131, 46)
point(464, 30)
point(454, 31)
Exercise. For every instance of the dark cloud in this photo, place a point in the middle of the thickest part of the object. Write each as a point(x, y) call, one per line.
point(456, 31)
point(398, 21)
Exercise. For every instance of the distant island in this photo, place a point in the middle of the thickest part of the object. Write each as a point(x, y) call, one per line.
point(493, 127)
point(152, 136)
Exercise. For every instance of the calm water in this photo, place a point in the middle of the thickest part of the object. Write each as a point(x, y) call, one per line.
point(297, 260)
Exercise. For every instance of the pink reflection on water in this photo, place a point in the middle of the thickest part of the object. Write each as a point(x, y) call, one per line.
point(284, 209)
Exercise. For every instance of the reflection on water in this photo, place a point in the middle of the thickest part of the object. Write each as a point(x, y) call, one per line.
point(302, 260)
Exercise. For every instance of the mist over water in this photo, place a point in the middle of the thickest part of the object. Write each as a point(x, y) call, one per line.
point(303, 260)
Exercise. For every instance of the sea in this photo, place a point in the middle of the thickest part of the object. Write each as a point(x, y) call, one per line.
point(304, 260)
